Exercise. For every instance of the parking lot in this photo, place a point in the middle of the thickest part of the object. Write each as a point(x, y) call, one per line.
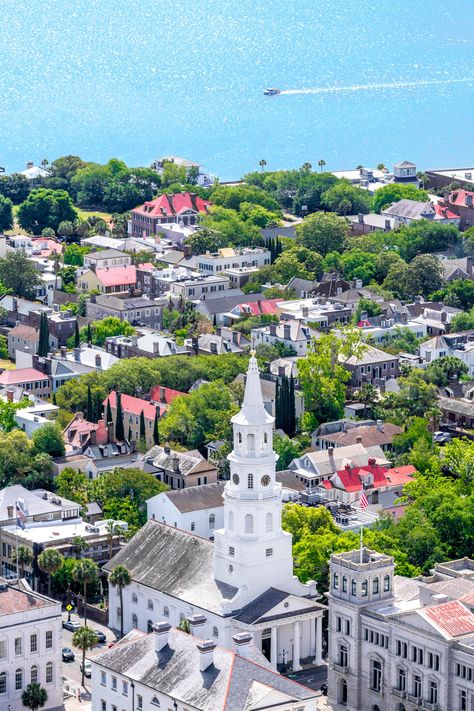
point(71, 670)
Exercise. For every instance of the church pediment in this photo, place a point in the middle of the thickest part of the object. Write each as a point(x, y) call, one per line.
point(275, 604)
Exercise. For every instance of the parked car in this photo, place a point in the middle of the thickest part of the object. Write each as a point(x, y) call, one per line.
point(101, 638)
point(68, 655)
point(442, 437)
point(71, 625)
point(87, 668)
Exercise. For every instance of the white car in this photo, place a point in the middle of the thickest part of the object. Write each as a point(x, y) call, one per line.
point(87, 668)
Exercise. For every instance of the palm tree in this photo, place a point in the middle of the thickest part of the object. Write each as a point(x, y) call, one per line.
point(321, 164)
point(84, 639)
point(50, 561)
point(120, 577)
point(344, 207)
point(22, 556)
point(262, 163)
point(424, 179)
point(44, 163)
point(78, 544)
point(306, 167)
point(85, 572)
point(34, 696)
point(112, 530)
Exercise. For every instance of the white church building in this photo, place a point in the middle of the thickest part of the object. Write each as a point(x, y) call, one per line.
point(243, 582)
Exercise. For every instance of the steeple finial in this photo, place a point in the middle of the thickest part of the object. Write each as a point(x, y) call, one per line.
point(253, 410)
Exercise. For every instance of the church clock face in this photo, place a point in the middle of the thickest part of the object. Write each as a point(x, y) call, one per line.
point(235, 478)
point(265, 480)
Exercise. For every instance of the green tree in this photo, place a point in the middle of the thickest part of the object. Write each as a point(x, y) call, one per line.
point(90, 406)
point(19, 274)
point(15, 187)
point(23, 557)
point(72, 484)
point(79, 544)
point(84, 639)
point(6, 214)
point(120, 578)
point(343, 194)
point(156, 432)
point(234, 197)
point(322, 233)
point(65, 228)
point(50, 561)
point(394, 192)
point(98, 331)
point(287, 449)
point(49, 439)
point(458, 293)
point(368, 396)
point(43, 343)
point(357, 264)
point(112, 530)
point(45, 208)
point(74, 255)
point(85, 573)
point(445, 370)
point(321, 164)
point(296, 261)
point(119, 430)
point(422, 277)
point(34, 696)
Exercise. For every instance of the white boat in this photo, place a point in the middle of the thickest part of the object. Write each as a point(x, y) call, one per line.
point(272, 92)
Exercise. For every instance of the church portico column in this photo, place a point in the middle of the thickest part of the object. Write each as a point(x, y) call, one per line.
point(296, 647)
point(318, 639)
point(274, 647)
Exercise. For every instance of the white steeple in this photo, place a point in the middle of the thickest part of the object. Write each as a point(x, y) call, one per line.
point(252, 552)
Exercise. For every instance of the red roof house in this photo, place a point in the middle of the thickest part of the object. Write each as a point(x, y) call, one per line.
point(132, 408)
point(185, 208)
point(163, 396)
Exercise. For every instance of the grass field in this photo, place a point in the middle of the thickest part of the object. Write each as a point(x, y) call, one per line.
point(84, 214)
point(6, 364)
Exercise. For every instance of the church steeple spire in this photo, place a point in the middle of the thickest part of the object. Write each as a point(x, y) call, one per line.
point(253, 410)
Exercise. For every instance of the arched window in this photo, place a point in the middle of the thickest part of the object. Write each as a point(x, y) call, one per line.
point(250, 481)
point(182, 616)
point(166, 612)
point(239, 438)
point(18, 679)
point(343, 656)
point(386, 583)
point(417, 686)
point(149, 626)
point(344, 583)
point(269, 522)
point(265, 438)
point(335, 581)
point(375, 675)
point(150, 604)
point(343, 692)
point(3, 683)
point(231, 520)
point(34, 674)
point(248, 523)
point(134, 621)
point(401, 679)
point(375, 586)
point(364, 587)
point(251, 443)
point(375, 707)
point(212, 521)
point(49, 673)
point(215, 632)
point(353, 587)
point(134, 597)
point(433, 692)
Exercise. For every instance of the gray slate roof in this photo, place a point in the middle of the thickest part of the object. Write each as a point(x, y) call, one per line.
point(228, 684)
point(196, 498)
point(411, 209)
point(261, 605)
point(174, 562)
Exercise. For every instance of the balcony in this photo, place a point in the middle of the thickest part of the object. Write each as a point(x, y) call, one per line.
point(342, 668)
point(413, 698)
point(429, 706)
point(398, 692)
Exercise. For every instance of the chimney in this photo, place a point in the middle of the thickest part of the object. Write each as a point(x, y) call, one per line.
point(195, 623)
point(10, 395)
point(206, 653)
point(331, 452)
point(281, 371)
point(161, 631)
point(93, 437)
point(162, 394)
point(213, 346)
point(242, 642)
point(468, 199)
point(187, 251)
point(380, 425)
point(235, 334)
point(175, 463)
point(287, 331)
point(273, 329)
point(77, 354)
point(371, 461)
point(360, 218)
point(98, 361)
point(305, 311)
point(388, 224)
point(110, 432)
point(359, 439)
point(167, 449)
point(63, 351)
point(469, 266)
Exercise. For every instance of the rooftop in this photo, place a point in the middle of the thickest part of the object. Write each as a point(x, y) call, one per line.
point(117, 276)
point(171, 205)
point(21, 375)
point(17, 596)
point(452, 619)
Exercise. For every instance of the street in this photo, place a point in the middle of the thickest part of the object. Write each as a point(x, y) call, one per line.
point(71, 670)
point(313, 677)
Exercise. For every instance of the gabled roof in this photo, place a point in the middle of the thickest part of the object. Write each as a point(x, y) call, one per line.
point(117, 276)
point(169, 394)
point(22, 375)
point(411, 209)
point(458, 197)
point(132, 405)
point(171, 205)
point(451, 619)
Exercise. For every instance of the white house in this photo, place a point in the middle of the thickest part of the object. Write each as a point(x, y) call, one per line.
point(197, 509)
point(30, 645)
point(292, 334)
point(243, 582)
point(230, 258)
point(398, 644)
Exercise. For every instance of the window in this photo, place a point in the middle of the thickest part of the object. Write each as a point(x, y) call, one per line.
point(338, 624)
point(125, 688)
point(49, 639)
point(134, 621)
point(17, 646)
point(155, 701)
point(335, 581)
point(49, 673)
point(251, 443)
point(3, 649)
point(149, 626)
point(364, 588)
point(134, 597)
point(231, 550)
point(114, 683)
point(34, 643)
point(103, 705)
point(215, 632)
point(150, 604)
point(344, 583)
point(375, 675)
point(417, 686)
point(34, 674)
point(193, 526)
point(119, 612)
point(166, 612)
point(463, 700)
point(3, 683)
point(139, 701)
point(269, 522)
point(265, 438)
point(343, 655)
point(343, 692)
point(375, 586)
point(239, 438)
point(231, 520)
point(433, 692)
point(248, 523)
point(353, 587)
point(250, 481)
point(401, 680)
point(103, 678)
point(18, 680)
point(212, 521)
point(269, 552)
point(386, 583)
point(348, 627)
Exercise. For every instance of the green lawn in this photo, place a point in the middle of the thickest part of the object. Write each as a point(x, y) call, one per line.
point(7, 364)
point(84, 214)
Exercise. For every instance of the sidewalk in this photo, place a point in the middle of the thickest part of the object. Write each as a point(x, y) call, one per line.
point(73, 704)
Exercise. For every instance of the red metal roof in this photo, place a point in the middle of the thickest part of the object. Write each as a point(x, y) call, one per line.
point(445, 213)
point(22, 375)
point(458, 197)
point(257, 308)
point(132, 405)
point(117, 276)
point(171, 205)
point(350, 479)
point(451, 618)
point(326, 484)
point(168, 395)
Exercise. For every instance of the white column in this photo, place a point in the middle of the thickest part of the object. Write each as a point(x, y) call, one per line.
point(318, 641)
point(274, 647)
point(296, 647)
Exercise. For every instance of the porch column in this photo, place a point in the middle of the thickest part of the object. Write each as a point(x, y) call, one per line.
point(296, 647)
point(274, 647)
point(318, 638)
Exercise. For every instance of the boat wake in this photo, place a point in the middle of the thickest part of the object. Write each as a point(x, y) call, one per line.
point(380, 86)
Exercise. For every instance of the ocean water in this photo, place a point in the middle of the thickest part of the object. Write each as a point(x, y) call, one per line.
point(365, 81)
